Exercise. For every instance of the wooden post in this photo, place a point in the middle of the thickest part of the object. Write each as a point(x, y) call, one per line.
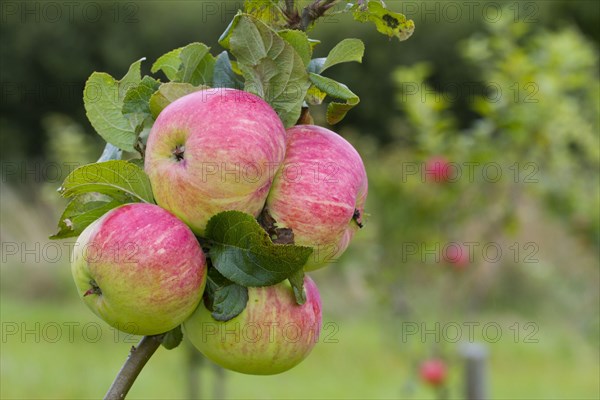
point(475, 356)
point(194, 362)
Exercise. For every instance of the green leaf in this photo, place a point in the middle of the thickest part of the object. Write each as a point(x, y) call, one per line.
point(137, 162)
point(271, 67)
point(345, 51)
point(224, 76)
point(136, 107)
point(267, 11)
point(110, 152)
point(119, 179)
point(297, 282)
point(168, 63)
point(313, 43)
point(242, 251)
point(335, 111)
point(225, 299)
point(172, 338)
point(168, 93)
point(299, 41)
point(82, 211)
point(224, 39)
point(387, 22)
point(103, 100)
point(316, 65)
point(197, 65)
point(190, 64)
point(315, 95)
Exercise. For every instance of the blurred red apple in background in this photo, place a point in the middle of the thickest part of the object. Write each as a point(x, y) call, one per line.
point(457, 255)
point(437, 169)
point(433, 372)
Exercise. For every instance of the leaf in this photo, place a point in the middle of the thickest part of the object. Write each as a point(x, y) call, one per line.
point(136, 107)
point(313, 43)
point(316, 65)
point(243, 252)
point(190, 64)
point(315, 96)
point(168, 63)
point(168, 93)
point(299, 41)
point(387, 22)
point(110, 152)
point(345, 51)
point(119, 179)
point(103, 100)
point(225, 299)
point(172, 338)
point(267, 11)
point(297, 282)
point(197, 65)
point(81, 212)
point(224, 76)
point(271, 67)
point(335, 111)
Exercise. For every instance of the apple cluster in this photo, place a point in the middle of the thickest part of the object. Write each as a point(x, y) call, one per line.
point(141, 267)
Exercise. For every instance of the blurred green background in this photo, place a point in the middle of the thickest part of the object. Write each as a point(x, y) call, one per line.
point(507, 92)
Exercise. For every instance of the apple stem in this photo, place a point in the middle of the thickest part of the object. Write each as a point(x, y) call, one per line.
point(138, 357)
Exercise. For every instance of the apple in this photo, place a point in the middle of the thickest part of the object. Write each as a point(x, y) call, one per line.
point(140, 269)
point(457, 255)
point(271, 335)
point(214, 150)
point(437, 169)
point(319, 192)
point(433, 372)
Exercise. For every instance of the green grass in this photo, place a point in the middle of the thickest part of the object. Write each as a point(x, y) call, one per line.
point(368, 360)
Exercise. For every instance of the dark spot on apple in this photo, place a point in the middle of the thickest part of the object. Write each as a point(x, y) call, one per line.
point(179, 152)
point(95, 289)
point(277, 235)
point(391, 21)
point(357, 217)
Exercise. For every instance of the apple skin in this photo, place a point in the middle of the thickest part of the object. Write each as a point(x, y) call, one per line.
point(272, 335)
point(148, 266)
point(437, 169)
point(317, 190)
point(214, 150)
point(433, 372)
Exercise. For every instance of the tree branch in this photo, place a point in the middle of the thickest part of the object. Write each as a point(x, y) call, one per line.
point(310, 13)
point(138, 357)
point(290, 6)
